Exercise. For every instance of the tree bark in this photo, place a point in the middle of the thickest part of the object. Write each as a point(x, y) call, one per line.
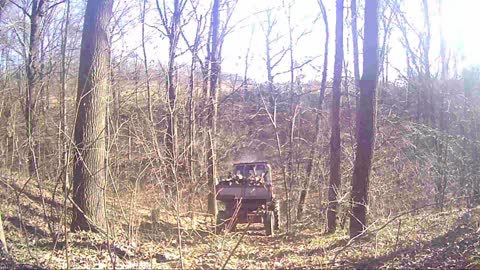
point(212, 109)
point(89, 159)
point(335, 143)
point(356, 68)
point(33, 77)
point(365, 121)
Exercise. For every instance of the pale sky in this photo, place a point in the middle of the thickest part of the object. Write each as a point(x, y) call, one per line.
point(459, 25)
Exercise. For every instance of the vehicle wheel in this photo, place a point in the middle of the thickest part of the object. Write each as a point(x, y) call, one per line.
point(269, 222)
point(276, 215)
point(221, 222)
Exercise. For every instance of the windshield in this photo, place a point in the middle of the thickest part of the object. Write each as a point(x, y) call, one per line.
point(247, 170)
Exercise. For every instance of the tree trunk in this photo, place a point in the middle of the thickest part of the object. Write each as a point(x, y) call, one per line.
point(428, 93)
point(314, 149)
point(191, 102)
point(145, 63)
point(212, 111)
point(173, 36)
point(335, 144)
point(3, 3)
point(89, 181)
point(3, 243)
point(356, 68)
point(442, 145)
point(63, 101)
point(292, 117)
point(32, 71)
point(365, 121)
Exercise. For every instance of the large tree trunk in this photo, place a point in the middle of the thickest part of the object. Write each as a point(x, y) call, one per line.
point(365, 121)
point(32, 70)
point(335, 144)
point(314, 149)
point(89, 160)
point(212, 111)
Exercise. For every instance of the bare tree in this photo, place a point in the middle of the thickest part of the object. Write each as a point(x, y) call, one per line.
point(33, 80)
point(335, 143)
point(356, 68)
point(145, 63)
point(425, 45)
point(213, 59)
point(365, 121)
point(63, 98)
point(272, 60)
point(89, 181)
point(171, 25)
point(442, 141)
point(321, 97)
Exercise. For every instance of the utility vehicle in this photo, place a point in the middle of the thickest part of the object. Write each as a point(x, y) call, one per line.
point(247, 196)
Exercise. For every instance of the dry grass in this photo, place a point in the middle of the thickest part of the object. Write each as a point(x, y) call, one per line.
point(424, 239)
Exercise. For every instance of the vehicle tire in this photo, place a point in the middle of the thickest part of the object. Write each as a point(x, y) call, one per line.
point(269, 222)
point(221, 222)
point(276, 215)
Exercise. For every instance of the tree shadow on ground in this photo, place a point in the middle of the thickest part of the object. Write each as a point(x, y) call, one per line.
point(451, 250)
point(162, 230)
point(322, 251)
point(18, 223)
point(33, 197)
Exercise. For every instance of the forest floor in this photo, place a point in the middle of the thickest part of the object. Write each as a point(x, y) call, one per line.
point(427, 239)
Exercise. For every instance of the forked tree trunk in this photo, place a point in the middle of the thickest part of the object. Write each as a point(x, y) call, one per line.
point(365, 121)
point(335, 144)
point(89, 154)
point(171, 85)
point(171, 26)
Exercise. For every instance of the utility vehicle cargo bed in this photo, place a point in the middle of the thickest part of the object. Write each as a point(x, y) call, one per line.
point(229, 191)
